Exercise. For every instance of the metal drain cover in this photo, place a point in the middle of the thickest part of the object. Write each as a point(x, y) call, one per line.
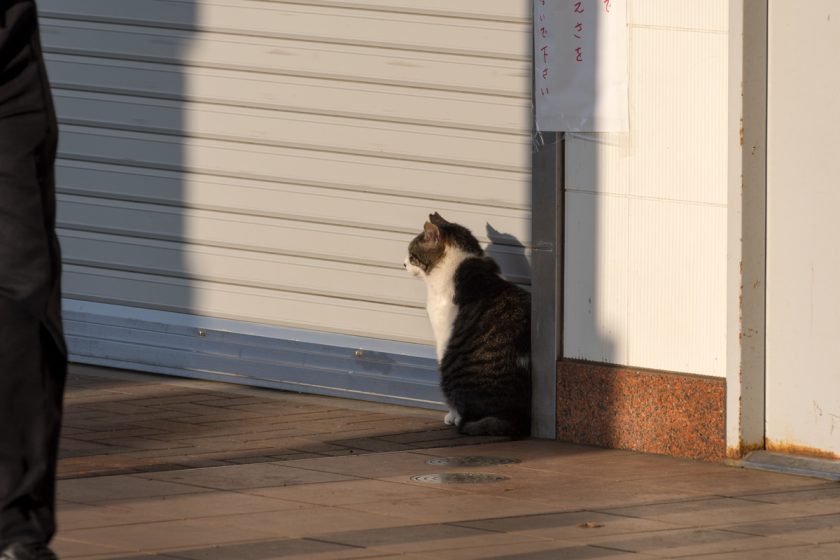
point(472, 461)
point(459, 478)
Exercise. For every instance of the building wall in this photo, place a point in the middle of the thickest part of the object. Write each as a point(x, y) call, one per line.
point(803, 201)
point(646, 211)
point(645, 264)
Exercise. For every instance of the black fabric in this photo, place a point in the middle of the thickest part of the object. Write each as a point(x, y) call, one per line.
point(20, 551)
point(32, 350)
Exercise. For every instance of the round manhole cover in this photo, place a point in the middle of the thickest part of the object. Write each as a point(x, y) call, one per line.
point(472, 461)
point(459, 478)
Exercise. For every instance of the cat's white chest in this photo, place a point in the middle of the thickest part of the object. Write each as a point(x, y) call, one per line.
point(442, 312)
point(440, 295)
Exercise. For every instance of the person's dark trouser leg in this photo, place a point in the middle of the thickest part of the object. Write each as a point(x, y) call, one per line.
point(30, 416)
point(32, 351)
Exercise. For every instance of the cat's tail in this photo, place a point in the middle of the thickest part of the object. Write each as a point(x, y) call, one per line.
point(493, 426)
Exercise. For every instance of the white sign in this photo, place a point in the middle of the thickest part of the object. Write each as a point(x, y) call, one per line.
point(580, 58)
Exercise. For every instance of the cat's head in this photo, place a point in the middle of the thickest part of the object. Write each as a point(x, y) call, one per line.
point(440, 242)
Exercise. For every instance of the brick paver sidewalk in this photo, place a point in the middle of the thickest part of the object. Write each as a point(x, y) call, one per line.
point(174, 468)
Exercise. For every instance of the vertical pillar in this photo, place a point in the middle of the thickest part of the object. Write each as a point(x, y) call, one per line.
point(746, 249)
point(546, 279)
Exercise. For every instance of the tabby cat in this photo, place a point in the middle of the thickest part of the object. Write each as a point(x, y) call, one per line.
point(482, 329)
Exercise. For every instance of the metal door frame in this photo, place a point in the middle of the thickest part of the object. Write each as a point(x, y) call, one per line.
point(747, 222)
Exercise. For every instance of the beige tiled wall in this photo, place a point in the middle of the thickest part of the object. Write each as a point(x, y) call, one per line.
point(646, 211)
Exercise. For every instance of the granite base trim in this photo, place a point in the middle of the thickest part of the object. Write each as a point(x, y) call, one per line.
point(649, 411)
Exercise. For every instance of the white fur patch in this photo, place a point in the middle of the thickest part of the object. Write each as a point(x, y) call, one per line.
point(440, 291)
point(452, 418)
point(442, 311)
point(413, 270)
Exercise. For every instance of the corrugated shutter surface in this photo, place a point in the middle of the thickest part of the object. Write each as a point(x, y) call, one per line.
point(269, 161)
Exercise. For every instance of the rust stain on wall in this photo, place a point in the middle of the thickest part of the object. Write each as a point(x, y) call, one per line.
point(794, 449)
point(740, 451)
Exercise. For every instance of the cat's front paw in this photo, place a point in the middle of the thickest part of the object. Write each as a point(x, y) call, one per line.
point(452, 418)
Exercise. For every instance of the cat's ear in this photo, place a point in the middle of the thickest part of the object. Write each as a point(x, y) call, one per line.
point(431, 232)
point(437, 219)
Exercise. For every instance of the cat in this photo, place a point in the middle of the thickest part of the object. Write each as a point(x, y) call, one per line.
point(482, 330)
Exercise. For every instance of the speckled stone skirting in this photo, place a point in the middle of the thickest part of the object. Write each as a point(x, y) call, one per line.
point(650, 411)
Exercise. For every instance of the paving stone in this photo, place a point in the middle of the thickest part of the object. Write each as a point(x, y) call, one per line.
point(818, 499)
point(238, 477)
point(165, 535)
point(817, 529)
point(685, 542)
point(312, 522)
point(346, 493)
point(546, 550)
point(274, 548)
point(420, 538)
point(708, 512)
point(574, 525)
point(374, 465)
point(160, 467)
point(123, 487)
point(798, 552)
point(444, 508)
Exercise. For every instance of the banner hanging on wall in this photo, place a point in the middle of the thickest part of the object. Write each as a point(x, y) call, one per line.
point(580, 59)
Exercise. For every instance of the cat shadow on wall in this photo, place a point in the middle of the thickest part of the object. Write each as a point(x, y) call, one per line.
point(509, 252)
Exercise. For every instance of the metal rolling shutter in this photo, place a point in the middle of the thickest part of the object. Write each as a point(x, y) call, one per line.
point(238, 180)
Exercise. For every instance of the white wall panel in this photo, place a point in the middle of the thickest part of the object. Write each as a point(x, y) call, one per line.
point(376, 102)
point(307, 203)
point(278, 236)
point(242, 268)
point(695, 15)
point(260, 305)
point(313, 24)
point(289, 129)
point(501, 10)
point(599, 163)
point(678, 91)
point(595, 275)
point(379, 65)
point(803, 202)
point(418, 180)
point(666, 181)
point(677, 287)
